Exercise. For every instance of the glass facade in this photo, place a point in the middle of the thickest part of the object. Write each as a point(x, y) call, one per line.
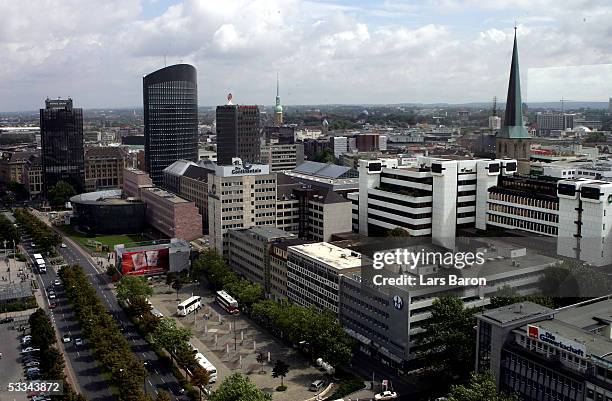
point(238, 134)
point(61, 133)
point(170, 98)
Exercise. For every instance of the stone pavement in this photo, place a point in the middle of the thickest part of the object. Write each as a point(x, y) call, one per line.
point(231, 343)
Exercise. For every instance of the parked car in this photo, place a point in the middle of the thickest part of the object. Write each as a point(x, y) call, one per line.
point(66, 338)
point(57, 283)
point(52, 295)
point(32, 364)
point(316, 385)
point(386, 395)
point(78, 341)
point(7, 320)
point(27, 350)
point(63, 245)
point(52, 305)
point(26, 339)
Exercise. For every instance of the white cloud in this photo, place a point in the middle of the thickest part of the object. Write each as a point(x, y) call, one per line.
point(325, 52)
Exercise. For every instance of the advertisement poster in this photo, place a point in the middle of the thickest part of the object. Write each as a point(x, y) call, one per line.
point(145, 262)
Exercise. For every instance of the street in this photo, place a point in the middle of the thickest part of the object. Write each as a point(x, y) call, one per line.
point(160, 376)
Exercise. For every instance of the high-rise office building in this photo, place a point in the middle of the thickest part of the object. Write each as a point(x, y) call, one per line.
point(238, 134)
point(61, 133)
point(170, 117)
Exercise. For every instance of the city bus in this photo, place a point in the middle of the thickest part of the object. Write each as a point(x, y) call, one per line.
point(40, 263)
point(205, 364)
point(226, 301)
point(188, 306)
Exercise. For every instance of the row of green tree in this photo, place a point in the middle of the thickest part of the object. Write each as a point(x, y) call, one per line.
point(109, 345)
point(44, 237)
point(51, 361)
point(320, 333)
point(163, 333)
point(8, 232)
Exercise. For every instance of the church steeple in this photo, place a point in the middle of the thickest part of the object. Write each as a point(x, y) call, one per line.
point(278, 109)
point(513, 121)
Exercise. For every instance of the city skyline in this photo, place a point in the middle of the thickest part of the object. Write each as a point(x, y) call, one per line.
point(340, 52)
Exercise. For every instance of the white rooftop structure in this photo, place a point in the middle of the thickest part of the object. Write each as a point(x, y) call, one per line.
point(331, 255)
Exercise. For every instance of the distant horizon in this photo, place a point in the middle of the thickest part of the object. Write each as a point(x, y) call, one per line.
point(604, 104)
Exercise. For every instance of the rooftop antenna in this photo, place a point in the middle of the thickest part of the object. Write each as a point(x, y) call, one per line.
point(165, 65)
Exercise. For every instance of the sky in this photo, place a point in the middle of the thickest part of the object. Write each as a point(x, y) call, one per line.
point(325, 52)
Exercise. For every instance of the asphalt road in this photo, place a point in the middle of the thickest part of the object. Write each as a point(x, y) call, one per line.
point(92, 384)
point(159, 376)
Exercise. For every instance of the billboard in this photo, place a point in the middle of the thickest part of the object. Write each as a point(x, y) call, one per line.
point(556, 340)
point(145, 262)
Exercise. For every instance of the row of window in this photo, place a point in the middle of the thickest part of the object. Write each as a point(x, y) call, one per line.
point(522, 224)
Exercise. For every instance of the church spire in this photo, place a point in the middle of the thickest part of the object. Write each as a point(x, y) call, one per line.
point(278, 109)
point(513, 121)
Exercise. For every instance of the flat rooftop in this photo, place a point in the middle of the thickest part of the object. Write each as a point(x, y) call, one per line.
point(595, 344)
point(517, 312)
point(169, 196)
point(332, 255)
point(268, 233)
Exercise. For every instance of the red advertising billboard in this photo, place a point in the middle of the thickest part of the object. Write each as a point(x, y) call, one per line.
point(145, 262)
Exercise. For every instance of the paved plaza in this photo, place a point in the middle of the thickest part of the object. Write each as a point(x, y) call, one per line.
point(235, 350)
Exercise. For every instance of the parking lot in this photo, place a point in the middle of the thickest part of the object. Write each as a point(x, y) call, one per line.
point(11, 368)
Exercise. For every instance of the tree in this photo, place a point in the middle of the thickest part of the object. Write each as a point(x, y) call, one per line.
point(177, 285)
point(169, 336)
point(398, 232)
point(280, 370)
point(239, 388)
point(131, 288)
point(60, 193)
point(448, 345)
point(508, 296)
point(480, 387)
point(8, 232)
point(200, 378)
point(324, 156)
point(261, 359)
point(163, 396)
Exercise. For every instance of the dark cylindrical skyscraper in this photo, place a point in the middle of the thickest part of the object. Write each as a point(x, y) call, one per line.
point(170, 98)
point(61, 135)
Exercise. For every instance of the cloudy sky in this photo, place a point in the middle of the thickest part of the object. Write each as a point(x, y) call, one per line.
point(329, 51)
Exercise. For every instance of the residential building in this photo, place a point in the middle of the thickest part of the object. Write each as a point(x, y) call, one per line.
point(104, 167)
point(543, 354)
point(249, 252)
point(170, 98)
point(61, 131)
point(238, 133)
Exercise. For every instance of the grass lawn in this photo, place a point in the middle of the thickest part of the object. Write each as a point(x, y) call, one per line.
point(110, 240)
